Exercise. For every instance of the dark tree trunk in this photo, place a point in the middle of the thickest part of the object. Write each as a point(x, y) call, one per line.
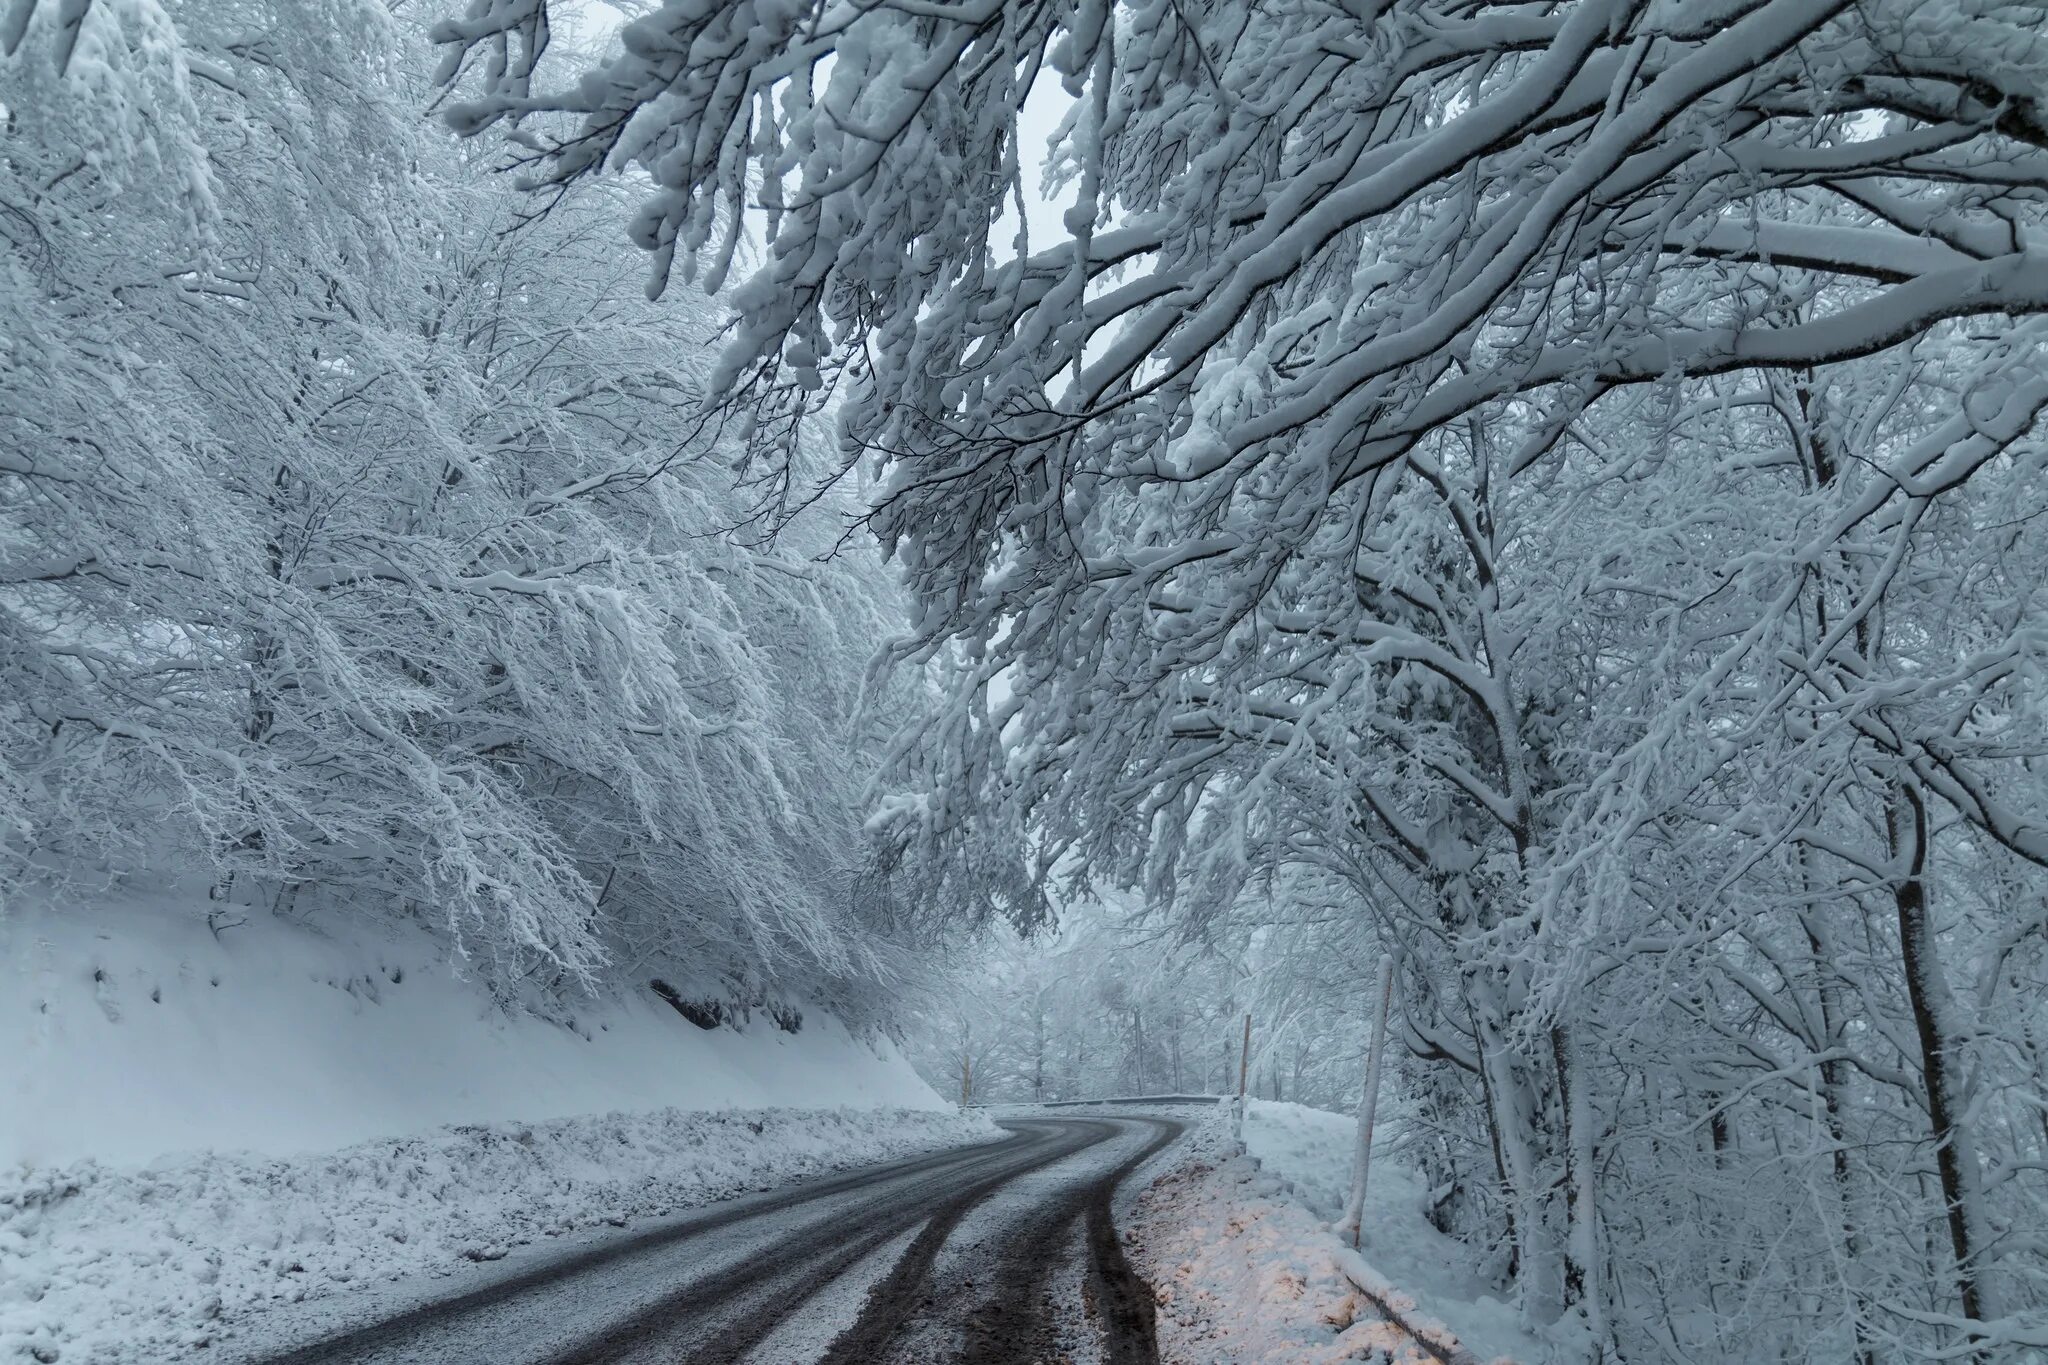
point(1906, 818)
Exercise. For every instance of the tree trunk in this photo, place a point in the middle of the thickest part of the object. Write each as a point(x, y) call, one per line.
point(1834, 1083)
point(1583, 1264)
point(1927, 991)
point(1540, 1248)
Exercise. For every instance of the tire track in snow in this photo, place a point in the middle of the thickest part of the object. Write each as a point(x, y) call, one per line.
point(751, 1299)
point(403, 1335)
point(711, 1288)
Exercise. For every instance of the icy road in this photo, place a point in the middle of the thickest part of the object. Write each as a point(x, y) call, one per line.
point(1000, 1253)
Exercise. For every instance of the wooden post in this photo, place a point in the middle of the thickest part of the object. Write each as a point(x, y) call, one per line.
point(1368, 1104)
point(1244, 1068)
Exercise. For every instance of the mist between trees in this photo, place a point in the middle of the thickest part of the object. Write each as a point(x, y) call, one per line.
point(1551, 492)
point(1104, 1009)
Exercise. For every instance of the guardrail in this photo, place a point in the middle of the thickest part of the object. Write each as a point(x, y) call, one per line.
point(1113, 1099)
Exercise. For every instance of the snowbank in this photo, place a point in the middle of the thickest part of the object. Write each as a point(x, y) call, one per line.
point(1248, 1271)
point(1309, 1152)
point(1244, 1276)
point(200, 1121)
point(140, 1266)
point(131, 1032)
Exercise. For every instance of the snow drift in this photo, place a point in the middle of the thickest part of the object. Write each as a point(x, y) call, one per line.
point(135, 1032)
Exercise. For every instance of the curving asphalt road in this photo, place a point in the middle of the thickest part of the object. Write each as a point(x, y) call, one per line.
point(1001, 1254)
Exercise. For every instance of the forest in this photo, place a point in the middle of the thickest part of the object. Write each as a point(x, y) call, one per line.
point(1549, 492)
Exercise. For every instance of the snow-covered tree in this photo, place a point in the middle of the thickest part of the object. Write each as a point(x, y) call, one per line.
point(1554, 482)
point(362, 540)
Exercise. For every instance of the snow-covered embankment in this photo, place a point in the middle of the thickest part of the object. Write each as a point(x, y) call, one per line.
point(198, 1126)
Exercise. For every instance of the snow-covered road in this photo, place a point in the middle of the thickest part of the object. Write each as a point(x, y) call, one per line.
point(1004, 1252)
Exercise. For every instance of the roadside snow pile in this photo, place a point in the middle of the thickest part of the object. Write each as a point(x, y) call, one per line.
point(1244, 1276)
point(1309, 1152)
point(1248, 1272)
point(102, 1265)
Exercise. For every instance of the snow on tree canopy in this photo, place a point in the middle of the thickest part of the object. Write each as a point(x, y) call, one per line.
point(1558, 483)
point(362, 541)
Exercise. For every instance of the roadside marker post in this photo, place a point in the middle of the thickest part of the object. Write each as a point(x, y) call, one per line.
point(1368, 1105)
point(1244, 1067)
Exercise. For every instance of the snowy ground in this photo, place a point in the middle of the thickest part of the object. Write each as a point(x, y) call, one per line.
point(197, 1126)
point(103, 1265)
point(1248, 1272)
